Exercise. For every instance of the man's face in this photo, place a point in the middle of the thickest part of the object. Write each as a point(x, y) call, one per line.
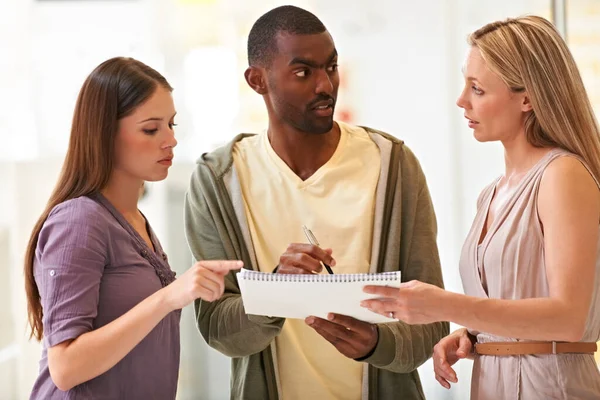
point(302, 82)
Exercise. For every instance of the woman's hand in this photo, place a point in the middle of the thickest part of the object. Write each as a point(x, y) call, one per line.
point(447, 352)
point(204, 280)
point(414, 302)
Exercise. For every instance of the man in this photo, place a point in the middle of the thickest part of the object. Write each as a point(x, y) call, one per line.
point(361, 192)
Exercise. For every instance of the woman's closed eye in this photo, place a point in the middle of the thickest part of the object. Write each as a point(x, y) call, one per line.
point(150, 131)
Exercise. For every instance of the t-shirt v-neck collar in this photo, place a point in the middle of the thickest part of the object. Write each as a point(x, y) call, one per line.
point(287, 172)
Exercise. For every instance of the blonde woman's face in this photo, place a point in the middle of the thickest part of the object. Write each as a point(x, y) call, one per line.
point(492, 110)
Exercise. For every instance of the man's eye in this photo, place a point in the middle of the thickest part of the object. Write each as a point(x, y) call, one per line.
point(302, 74)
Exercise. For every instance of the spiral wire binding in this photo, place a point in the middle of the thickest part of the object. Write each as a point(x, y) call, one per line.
point(318, 278)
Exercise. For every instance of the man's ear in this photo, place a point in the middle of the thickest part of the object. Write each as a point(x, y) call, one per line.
point(526, 104)
point(255, 79)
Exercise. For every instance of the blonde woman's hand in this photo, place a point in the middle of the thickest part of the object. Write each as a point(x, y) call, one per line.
point(414, 302)
point(204, 280)
point(447, 352)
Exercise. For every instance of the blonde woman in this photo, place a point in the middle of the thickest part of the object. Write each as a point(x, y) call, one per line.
point(529, 265)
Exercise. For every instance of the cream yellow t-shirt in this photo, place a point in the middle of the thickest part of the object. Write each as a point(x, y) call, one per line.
point(337, 203)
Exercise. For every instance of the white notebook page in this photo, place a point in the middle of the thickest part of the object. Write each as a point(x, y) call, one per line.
point(300, 296)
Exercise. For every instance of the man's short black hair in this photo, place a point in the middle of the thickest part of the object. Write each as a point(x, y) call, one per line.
point(262, 44)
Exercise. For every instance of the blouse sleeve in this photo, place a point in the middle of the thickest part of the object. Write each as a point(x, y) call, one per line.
point(71, 254)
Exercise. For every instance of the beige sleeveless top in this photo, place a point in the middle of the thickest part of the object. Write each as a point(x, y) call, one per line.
point(509, 264)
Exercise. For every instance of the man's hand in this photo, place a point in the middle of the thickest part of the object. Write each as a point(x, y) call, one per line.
point(303, 258)
point(351, 337)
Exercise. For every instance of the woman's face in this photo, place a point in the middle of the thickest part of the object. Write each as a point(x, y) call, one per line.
point(494, 111)
point(145, 139)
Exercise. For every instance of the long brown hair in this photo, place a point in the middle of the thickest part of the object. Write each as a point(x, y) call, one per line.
point(529, 54)
point(112, 91)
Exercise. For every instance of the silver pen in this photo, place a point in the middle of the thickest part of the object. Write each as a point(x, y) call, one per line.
point(313, 240)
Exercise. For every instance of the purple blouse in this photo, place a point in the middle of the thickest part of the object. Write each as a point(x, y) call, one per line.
point(91, 267)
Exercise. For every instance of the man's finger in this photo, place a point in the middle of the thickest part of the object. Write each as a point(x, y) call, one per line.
point(331, 327)
point(306, 261)
point(300, 261)
point(314, 251)
point(353, 324)
point(322, 329)
point(284, 269)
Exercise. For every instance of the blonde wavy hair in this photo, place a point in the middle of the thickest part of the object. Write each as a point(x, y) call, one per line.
point(529, 55)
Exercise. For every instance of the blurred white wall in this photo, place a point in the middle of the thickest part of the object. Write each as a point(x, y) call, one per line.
point(400, 64)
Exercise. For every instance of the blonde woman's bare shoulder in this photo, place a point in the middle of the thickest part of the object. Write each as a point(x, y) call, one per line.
point(568, 170)
point(567, 182)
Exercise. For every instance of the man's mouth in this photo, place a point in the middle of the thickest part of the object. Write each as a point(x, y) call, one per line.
point(323, 108)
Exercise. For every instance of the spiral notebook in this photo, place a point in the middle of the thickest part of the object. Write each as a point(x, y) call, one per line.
point(300, 296)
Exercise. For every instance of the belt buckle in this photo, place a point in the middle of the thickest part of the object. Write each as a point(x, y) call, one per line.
point(553, 347)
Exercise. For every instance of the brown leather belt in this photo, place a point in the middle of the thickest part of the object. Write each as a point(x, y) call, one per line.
point(522, 348)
